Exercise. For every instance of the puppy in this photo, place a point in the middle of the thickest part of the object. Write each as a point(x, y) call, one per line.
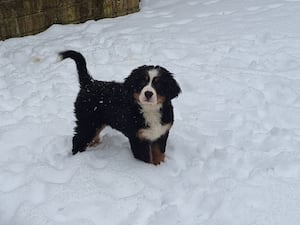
point(140, 108)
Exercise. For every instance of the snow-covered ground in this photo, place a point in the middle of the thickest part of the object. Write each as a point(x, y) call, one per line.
point(233, 156)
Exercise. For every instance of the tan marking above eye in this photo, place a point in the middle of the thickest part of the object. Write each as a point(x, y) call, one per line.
point(147, 78)
point(156, 79)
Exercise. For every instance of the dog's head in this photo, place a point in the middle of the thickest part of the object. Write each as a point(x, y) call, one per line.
point(151, 85)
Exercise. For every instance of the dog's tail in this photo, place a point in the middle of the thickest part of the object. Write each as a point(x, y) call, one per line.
point(83, 75)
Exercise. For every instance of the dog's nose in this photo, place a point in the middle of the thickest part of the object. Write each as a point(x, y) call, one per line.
point(148, 94)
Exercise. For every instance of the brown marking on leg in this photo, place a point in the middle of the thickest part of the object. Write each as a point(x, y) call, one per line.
point(96, 139)
point(150, 155)
point(157, 155)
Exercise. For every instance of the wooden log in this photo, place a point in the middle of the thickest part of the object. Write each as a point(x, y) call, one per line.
point(26, 17)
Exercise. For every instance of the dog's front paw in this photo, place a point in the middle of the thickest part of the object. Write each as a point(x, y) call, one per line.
point(157, 158)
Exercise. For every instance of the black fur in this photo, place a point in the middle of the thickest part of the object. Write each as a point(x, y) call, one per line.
point(101, 103)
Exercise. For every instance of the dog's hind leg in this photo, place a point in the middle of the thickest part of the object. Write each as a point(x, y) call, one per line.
point(96, 140)
point(84, 134)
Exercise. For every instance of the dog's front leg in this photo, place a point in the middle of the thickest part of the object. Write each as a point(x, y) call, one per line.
point(158, 149)
point(141, 149)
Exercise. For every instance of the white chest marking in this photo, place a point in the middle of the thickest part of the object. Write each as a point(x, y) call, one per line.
point(152, 117)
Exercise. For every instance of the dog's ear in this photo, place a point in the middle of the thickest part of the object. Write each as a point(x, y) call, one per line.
point(131, 80)
point(172, 88)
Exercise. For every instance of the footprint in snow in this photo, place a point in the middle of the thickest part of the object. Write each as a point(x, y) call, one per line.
point(274, 6)
point(201, 15)
point(162, 25)
point(192, 3)
point(211, 2)
point(151, 14)
point(254, 8)
point(181, 22)
point(225, 13)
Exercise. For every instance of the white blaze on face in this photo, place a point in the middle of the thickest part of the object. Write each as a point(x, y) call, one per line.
point(151, 111)
point(148, 88)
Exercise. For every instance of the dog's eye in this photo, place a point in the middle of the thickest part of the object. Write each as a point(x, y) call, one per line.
point(158, 85)
point(155, 80)
point(143, 83)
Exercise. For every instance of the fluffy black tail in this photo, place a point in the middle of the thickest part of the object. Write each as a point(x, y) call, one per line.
point(83, 75)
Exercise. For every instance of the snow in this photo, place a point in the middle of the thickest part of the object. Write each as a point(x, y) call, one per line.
point(233, 153)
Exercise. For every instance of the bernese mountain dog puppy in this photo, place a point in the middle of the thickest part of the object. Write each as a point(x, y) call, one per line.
point(140, 108)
